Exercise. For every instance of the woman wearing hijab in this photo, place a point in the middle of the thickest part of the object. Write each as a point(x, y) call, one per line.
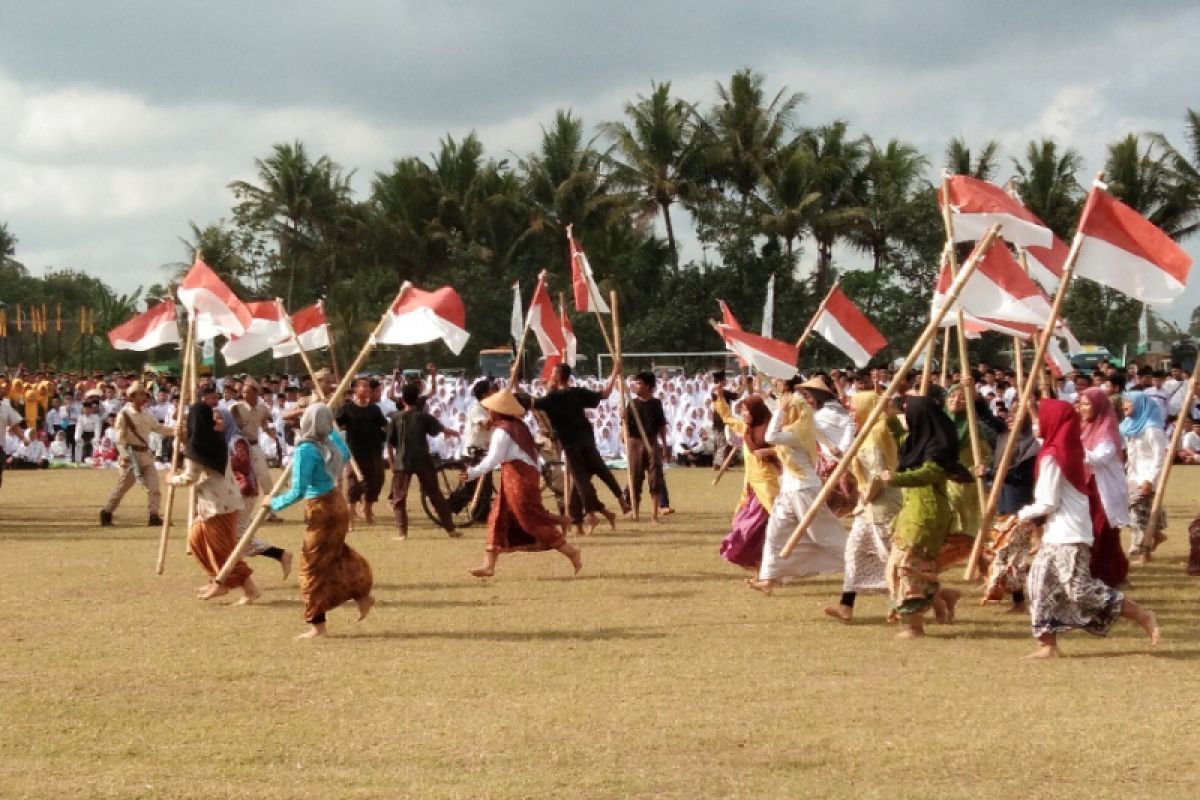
point(823, 545)
point(213, 535)
point(760, 484)
point(1011, 548)
point(1146, 454)
point(870, 538)
point(241, 466)
point(928, 458)
point(1062, 592)
point(518, 521)
point(331, 572)
point(1103, 462)
point(964, 497)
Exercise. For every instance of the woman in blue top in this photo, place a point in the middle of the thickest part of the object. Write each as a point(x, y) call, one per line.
point(331, 572)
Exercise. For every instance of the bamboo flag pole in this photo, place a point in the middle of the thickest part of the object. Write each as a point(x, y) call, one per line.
point(562, 316)
point(334, 401)
point(725, 466)
point(193, 395)
point(1039, 355)
point(968, 383)
point(626, 409)
point(880, 406)
point(812, 323)
point(184, 376)
point(333, 365)
point(1160, 490)
point(927, 367)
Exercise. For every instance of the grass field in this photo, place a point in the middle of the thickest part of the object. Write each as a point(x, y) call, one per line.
point(655, 673)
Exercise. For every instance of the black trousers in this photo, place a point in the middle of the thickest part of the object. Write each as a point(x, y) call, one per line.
point(585, 462)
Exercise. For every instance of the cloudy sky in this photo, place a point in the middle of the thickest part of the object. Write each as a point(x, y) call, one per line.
point(121, 122)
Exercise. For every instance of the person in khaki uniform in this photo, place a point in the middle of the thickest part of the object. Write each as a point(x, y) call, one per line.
point(252, 417)
point(133, 428)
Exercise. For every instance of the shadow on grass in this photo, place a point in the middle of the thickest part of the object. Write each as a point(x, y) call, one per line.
point(1174, 654)
point(545, 635)
point(655, 577)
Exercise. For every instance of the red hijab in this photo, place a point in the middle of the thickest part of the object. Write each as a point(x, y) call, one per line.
point(1103, 425)
point(1058, 423)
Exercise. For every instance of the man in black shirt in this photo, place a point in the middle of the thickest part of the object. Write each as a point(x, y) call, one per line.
point(565, 406)
point(646, 463)
point(364, 426)
point(408, 453)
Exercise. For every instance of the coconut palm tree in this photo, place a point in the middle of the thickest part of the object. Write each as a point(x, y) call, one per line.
point(893, 182)
point(839, 178)
point(788, 196)
point(983, 166)
point(1047, 183)
point(1183, 168)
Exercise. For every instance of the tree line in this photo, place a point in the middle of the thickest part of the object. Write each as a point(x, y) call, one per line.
point(760, 187)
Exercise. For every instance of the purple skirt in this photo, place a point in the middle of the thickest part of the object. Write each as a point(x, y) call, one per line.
point(744, 544)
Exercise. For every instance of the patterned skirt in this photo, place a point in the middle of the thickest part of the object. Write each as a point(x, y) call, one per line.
point(519, 522)
point(744, 544)
point(867, 549)
point(1064, 596)
point(1145, 535)
point(331, 571)
point(212, 541)
point(1010, 553)
point(912, 581)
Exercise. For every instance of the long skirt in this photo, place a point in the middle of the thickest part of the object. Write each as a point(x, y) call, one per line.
point(331, 571)
point(956, 550)
point(519, 521)
point(1145, 535)
point(1064, 596)
point(744, 544)
point(212, 541)
point(1011, 552)
point(912, 580)
point(866, 556)
point(821, 548)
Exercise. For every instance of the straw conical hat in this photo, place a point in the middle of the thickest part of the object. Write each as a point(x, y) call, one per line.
point(504, 402)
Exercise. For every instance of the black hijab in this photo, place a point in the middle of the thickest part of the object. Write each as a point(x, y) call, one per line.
point(931, 437)
point(205, 444)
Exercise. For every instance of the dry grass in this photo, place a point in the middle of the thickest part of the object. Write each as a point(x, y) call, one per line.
point(655, 673)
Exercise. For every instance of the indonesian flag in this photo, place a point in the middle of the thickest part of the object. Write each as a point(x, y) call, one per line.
point(515, 322)
point(583, 282)
point(419, 317)
point(729, 320)
point(845, 327)
point(266, 328)
point(769, 356)
point(998, 289)
point(547, 327)
point(1122, 249)
point(1057, 360)
point(312, 332)
point(978, 205)
point(1046, 263)
point(155, 327)
point(217, 309)
point(974, 326)
point(571, 353)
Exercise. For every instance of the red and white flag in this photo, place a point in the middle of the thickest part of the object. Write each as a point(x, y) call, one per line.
point(844, 326)
point(155, 327)
point(1046, 263)
point(583, 282)
point(419, 317)
point(312, 332)
point(998, 289)
point(730, 321)
point(769, 356)
point(266, 327)
point(978, 205)
point(1056, 359)
point(217, 310)
point(546, 327)
point(571, 351)
point(1122, 249)
point(974, 326)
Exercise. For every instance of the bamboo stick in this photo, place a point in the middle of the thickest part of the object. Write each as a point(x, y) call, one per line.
point(185, 369)
point(336, 400)
point(864, 430)
point(192, 396)
point(725, 466)
point(1160, 490)
point(626, 408)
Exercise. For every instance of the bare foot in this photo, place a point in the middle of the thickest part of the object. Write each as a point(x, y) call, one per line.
point(213, 589)
point(581, 531)
point(481, 572)
point(285, 562)
point(761, 586)
point(1149, 623)
point(315, 632)
point(400, 537)
point(626, 507)
point(454, 533)
point(911, 633)
point(840, 612)
point(364, 607)
point(1044, 651)
point(951, 598)
point(611, 517)
point(576, 559)
point(939, 610)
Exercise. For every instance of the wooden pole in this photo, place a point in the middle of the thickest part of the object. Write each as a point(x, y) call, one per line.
point(945, 357)
point(185, 370)
point(812, 322)
point(725, 466)
point(336, 400)
point(333, 365)
point(881, 405)
point(1160, 490)
point(626, 408)
point(1039, 355)
point(192, 396)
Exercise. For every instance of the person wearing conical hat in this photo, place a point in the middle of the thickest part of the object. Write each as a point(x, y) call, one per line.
point(518, 521)
point(132, 430)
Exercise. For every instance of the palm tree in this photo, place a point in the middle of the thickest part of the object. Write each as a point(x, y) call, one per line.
point(8, 243)
point(788, 195)
point(660, 149)
point(1183, 169)
point(747, 130)
point(958, 159)
point(1048, 185)
point(839, 179)
point(1143, 180)
point(894, 180)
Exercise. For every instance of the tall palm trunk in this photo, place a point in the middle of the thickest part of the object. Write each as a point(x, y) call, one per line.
point(666, 212)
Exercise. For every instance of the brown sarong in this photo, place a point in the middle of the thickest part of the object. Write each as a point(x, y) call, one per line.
point(212, 541)
point(519, 521)
point(331, 571)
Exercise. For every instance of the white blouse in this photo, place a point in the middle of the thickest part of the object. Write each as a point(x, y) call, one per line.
point(776, 435)
point(1068, 518)
point(1146, 453)
point(1105, 462)
point(835, 426)
point(501, 448)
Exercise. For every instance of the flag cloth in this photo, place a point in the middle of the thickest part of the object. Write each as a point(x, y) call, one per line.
point(217, 309)
point(845, 327)
point(419, 317)
point(1056, 359)
point(998, 289)
point(546, 325)
point(571, 351)
point(769, 356)
point(977, 325)
point(978, 205)
point(155, 327)
point(516, 324)
point(769, 309)
point(729, 320)
point(266, 327)
point(1046, 263)
point(1074, 348)
point(583, 282)
point(1122, 249)
point(312, 332)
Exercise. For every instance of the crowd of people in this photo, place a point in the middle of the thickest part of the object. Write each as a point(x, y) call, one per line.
point(1086, 465)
